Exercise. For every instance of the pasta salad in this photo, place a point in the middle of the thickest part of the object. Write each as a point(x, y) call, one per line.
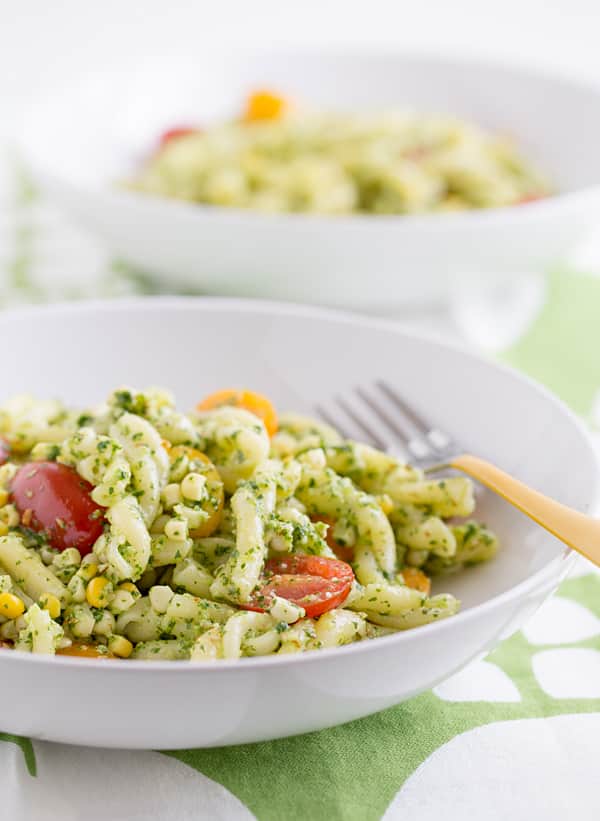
point(133, 530)
point(278, 158)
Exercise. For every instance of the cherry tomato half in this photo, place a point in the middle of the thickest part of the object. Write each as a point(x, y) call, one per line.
point(265, 105)
point(175, 133)
point(415, 578)
point(527, 198)
point(200, 463)
point(60, 504)
point(315, 583)
point(4, 451)
point(251, 401)
point(82, 650)
point(342, 551)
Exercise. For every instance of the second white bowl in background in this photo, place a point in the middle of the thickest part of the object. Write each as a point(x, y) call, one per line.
point(81, 141)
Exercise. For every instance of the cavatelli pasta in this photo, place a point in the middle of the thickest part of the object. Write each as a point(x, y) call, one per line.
point(324, 492)
point(235, 440)
point(214, 535)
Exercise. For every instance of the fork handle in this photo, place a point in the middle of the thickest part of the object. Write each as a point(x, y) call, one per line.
point(578, 531)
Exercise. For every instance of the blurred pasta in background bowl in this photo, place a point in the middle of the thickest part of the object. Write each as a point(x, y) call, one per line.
point(376, 182)
point(276, 158)
point(235, 560)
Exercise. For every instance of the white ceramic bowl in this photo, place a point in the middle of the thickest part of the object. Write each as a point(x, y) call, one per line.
point(297, 356)
point(81, 140)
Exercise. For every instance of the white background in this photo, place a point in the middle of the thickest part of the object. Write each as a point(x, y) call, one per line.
point(44, 42)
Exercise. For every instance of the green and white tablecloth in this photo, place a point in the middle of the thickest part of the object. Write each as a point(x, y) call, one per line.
point(515, 735)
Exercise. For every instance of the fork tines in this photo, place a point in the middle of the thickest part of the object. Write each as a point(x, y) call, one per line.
point(382, 418)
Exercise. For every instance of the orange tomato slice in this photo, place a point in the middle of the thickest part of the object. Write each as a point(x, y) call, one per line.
point(527, 198)
point(251, 401)
point(264, 105)
point(200, 463)
point(342, 551)
point(415, 578)
point(82, 650)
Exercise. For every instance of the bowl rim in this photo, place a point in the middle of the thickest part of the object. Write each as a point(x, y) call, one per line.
point(474, 219)
point(544, 575)
point(469, 218)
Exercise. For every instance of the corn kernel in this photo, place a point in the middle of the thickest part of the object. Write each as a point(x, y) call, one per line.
point(385, 503)
point(98, 592)
point(194, 518)
point(105, 625)
point(43, 452)
point(176, 530)
point(3, 497)
point(9, 515)
point(120, 646)
point(160, 595)
point(69, 557)
point(88, 571)
point(11, 606)
point(3, 529)
point(171, 495)
point(121, 602)
point(129, 587)
point(80, 620)
point(7, 473)
point(193, 487)
point(51, 604)
point(76, 588)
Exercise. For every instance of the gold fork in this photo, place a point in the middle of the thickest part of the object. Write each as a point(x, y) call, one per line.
point(433, 450)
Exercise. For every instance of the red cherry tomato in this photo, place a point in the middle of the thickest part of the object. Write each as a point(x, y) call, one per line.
point(175, 133)
point(4, 451)
point(60, 504)
point(313, 582)
point(527, 198)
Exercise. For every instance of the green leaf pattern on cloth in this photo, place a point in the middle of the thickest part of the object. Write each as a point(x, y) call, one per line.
point(336, 767)
point(26, 748)
point(560, 349)
point(354, 772)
